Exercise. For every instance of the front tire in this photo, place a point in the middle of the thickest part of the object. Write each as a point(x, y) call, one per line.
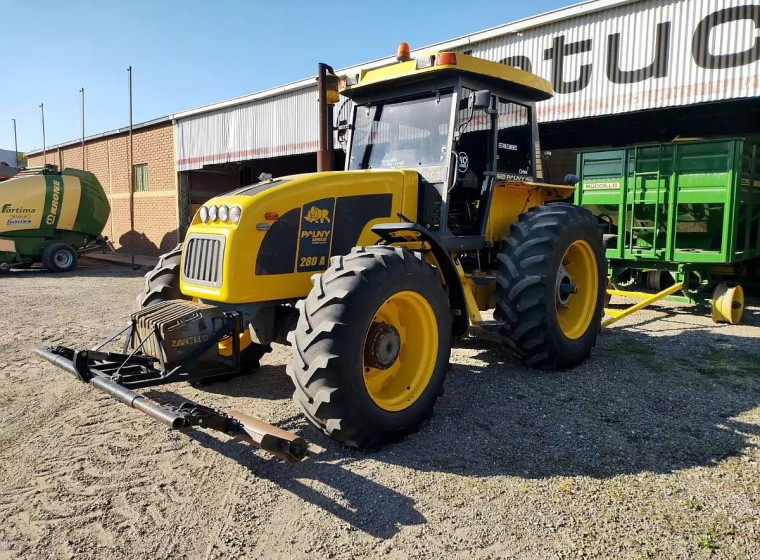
point(59, 257)
point(162, 283)
point(551, 286)
point(371, 347)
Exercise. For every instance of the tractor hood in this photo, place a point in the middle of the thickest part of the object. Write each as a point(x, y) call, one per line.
point(288, 229)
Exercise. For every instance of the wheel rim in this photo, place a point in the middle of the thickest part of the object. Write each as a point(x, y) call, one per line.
point(576, 289)
point(400, 351)
point(728, 304)
point(63, 259)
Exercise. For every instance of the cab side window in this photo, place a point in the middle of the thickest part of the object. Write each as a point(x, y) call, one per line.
point(514, 150)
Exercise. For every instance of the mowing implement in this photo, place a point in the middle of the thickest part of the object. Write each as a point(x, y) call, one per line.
point(680, 218)
point(369, 273)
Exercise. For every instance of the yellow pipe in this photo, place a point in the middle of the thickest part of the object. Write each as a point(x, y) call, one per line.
point(623, 293)
point(651, 298)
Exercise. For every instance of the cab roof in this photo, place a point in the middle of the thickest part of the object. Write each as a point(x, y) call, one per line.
point(430, 65)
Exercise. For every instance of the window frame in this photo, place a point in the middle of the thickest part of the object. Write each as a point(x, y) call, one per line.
point(141, 170)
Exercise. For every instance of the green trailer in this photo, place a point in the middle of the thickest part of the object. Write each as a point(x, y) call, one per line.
point(678, 217)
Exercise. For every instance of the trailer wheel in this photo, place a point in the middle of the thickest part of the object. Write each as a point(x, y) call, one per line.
point(371, 347)
point(551, 286)
point(162, 284)
point(59, 257)
point(728, 304)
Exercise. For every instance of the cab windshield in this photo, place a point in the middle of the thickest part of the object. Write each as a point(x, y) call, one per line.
point(406, 134)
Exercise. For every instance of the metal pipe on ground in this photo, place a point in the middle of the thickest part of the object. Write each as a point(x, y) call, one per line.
point(281, 444)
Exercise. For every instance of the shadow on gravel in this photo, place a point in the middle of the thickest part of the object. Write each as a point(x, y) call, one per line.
point(268, 382)
point(362, 503)
point(645, 401)
point(642, 403)
point(83, 270)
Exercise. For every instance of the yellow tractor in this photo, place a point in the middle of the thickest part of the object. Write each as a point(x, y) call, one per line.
point(370, 273)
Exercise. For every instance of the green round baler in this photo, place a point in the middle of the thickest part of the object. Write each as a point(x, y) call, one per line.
point(51, 217)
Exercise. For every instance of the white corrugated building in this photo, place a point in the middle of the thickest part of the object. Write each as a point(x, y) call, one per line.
point(624, 71)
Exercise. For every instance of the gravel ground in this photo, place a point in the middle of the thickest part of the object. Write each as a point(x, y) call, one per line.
point(649, 450)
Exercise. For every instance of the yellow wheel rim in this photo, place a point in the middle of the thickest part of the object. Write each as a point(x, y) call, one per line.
point(576, 290)
point(400, 351)
point(728, 304)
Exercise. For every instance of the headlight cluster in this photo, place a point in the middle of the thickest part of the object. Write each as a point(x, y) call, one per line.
point(223, 213)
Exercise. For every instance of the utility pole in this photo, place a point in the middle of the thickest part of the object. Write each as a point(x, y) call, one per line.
point(44, 145)
point(84, 163)
point(131, 175)
point(15, 143)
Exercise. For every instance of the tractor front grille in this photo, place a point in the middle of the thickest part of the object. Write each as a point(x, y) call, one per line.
point(202, 259)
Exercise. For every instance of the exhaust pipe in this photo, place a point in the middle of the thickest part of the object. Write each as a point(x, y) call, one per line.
point(327, 91)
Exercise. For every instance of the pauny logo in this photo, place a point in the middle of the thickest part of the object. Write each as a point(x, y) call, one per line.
point(317, 215)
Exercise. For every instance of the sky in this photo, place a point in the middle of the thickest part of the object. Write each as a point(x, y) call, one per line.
point(189, 53)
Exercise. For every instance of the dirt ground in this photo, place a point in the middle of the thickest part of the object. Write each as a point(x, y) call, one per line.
point(649, 450)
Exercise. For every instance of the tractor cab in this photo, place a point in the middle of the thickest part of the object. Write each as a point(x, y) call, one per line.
point(464, 124)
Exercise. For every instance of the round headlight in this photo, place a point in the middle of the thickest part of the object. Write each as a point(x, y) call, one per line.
point(212, 211)
point(203, 214)
point(224, 213)
point(235, 212)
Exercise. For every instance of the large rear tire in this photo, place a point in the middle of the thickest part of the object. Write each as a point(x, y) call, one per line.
point(162, 284)
point(551, 286)
point(371, 347)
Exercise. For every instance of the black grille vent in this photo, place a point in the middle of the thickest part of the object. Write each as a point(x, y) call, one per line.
point(203, 256)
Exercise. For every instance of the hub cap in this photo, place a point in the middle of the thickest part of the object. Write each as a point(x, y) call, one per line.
point(382, 347)
point(63, 259)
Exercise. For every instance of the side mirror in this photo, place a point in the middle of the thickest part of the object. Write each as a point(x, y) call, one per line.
point(343, 128)
point(480, 100)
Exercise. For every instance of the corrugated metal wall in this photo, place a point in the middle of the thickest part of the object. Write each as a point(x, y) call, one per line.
point(643, 55)
point(281, 125)
point(617, 68)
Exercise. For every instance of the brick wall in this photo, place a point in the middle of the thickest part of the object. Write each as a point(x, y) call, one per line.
point(155, 210)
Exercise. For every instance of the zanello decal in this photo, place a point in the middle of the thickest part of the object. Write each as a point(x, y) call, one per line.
point(188, 341)
point(55, 204)
point(315, 237)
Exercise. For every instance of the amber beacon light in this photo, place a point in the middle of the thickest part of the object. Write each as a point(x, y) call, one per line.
point(402, 53)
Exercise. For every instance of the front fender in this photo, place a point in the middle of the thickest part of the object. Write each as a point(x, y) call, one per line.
point(414, 233)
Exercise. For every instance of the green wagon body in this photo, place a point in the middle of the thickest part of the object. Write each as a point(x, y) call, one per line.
point(691, 208)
